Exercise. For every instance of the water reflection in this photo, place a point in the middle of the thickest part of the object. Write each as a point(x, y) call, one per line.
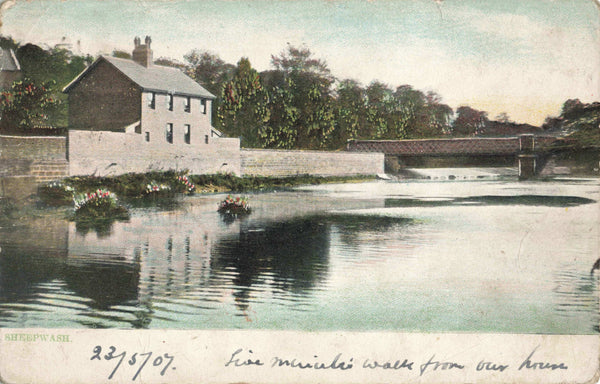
point(348, 264)
point(106, 282)
point(577, 296)
point(291, 255)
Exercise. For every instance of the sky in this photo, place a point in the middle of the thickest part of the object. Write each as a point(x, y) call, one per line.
point(521, 57)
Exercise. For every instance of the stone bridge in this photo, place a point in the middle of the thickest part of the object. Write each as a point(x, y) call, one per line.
point(525, 149)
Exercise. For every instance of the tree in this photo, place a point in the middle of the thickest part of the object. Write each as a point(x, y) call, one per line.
point(469, 121)
point(121, 54)
point(350, 112)
point(572, 107)
point(297, 60)
point(208, 70)
point(379, 106)
point(25, 105)
point(54, 68)
point(303, 84)
point(168, 62)
point(243, 110)
point(503, 118)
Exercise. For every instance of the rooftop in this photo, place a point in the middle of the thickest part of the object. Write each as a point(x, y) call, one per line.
point(155, 78)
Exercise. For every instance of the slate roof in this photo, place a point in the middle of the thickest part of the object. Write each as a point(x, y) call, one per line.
point(155, 78)
point(8, 60)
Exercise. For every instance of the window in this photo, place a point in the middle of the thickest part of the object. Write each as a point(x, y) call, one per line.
point(203, 103)
point(170, 133)
point(205, 139)
point(186, 133)
point(187, 106)
point(147, 136)
point(170, 102)
point(151, 100)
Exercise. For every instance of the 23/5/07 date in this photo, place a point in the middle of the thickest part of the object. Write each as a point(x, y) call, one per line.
point(137, 359)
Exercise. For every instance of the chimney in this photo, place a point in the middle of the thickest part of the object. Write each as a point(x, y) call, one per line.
point(142, 54)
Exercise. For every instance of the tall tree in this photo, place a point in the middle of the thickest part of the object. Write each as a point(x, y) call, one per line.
point(243, 111)
point(304, 84)
point(350, 112)
point(469, 121)
point(208, 69)
point(52, 69)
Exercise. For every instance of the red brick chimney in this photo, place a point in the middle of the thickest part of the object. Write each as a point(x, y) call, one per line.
point(142, 54)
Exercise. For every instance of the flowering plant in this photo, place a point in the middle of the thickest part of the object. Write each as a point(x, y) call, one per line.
point(154, 188)
point(234, 206)
point(185, 184)
point(100, 203)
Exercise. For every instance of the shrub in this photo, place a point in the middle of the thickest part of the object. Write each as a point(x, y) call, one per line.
point(234, 206)
point(99, 204)
point(184, 184)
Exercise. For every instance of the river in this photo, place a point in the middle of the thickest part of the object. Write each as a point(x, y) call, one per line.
point(472, 255)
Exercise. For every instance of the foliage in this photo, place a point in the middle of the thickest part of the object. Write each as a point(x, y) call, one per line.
point(208, 69)
point(183, 184)
point(234, 206)
point(578, 121)
point(25, 105)
point(155, 189)
point(97, 205)
point(52, 68)
point(56, 193)
point(243, 110)
point(301, 102)
point(121, 54)
point(469, 121)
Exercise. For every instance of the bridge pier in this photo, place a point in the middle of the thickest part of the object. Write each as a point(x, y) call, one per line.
point(526, 157)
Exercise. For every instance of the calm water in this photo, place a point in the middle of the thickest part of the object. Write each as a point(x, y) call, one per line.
point(498, 256)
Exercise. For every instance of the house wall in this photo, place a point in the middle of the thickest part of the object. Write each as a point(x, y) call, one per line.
point(114, 153)
point(154, 120)
point(94, 106)
point(318, 163)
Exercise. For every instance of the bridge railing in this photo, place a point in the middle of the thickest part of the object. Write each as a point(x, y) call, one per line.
point(497, 146)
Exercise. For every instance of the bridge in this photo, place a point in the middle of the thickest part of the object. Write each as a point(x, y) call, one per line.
point(525, 150)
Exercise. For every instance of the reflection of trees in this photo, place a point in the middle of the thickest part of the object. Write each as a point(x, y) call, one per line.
point(294, 254)
point(23, 268)
point(106, 283)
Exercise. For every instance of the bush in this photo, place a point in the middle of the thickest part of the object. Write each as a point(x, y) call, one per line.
point(183, 184)
point(234, 206)
point(99, 204)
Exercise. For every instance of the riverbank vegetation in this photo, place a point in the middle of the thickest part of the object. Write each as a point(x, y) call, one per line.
point(133, 186)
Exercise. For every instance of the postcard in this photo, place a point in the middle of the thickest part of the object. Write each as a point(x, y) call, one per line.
point(302, 191)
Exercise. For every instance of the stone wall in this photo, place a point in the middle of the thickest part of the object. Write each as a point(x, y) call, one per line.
point(43, 158)
point(114, 153)
point(318, 163)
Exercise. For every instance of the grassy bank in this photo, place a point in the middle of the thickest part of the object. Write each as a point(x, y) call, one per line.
point(134, 185)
